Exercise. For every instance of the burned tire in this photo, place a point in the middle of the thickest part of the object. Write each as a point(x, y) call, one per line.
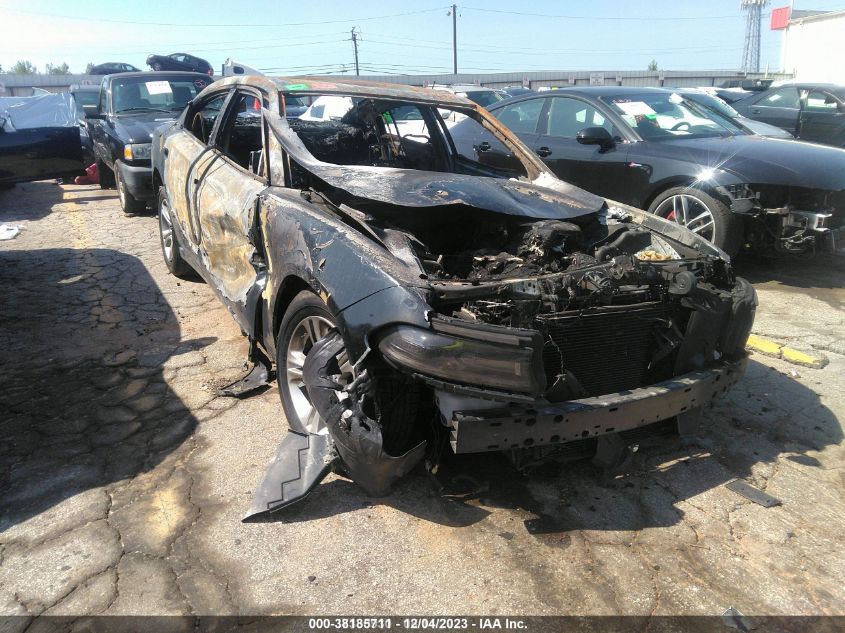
point(128, 203)
point(702, 214)
point(169, 241)
point(106, 175)
point(306, 321)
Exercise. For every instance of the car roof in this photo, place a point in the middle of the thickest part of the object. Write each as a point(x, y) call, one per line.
point(354, 88)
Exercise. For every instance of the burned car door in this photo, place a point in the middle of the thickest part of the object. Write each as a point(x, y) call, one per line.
point(822, 118)
point(187, 153)
point(228, 184)
point(600, 169)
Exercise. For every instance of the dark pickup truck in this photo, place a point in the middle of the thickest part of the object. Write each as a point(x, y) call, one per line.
point(130, 107)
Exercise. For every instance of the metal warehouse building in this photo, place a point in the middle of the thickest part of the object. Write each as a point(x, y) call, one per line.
point(812, 41)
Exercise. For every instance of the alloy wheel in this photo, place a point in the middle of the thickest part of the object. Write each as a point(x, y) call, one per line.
point(165, 225)
point(689, 211)
point(307, 332)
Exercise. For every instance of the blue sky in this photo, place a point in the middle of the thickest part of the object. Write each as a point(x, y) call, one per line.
point(411, 37)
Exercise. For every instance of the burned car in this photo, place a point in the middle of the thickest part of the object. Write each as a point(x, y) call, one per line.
point(413, 299)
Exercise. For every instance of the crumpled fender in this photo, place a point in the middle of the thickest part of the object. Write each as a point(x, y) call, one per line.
point(357, 437)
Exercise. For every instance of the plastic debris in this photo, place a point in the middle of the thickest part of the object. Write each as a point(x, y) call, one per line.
point(9, 231)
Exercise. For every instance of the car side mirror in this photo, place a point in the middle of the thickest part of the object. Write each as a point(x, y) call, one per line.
point(92, 112)
point(596, 136)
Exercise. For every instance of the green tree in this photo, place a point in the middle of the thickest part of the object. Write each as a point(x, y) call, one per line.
point(23, 67)
point(89, 68)
point(652, 65)
point(58, 69)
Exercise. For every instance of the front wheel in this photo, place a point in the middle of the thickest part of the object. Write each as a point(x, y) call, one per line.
point(128, 203)
point(702, 214)
point(169, 242)
point(306, 321)
point(156, 66)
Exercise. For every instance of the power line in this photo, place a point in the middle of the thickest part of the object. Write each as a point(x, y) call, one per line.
point(649, 18)
point(87, 18)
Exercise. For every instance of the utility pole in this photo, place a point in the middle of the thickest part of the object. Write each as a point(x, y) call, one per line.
point(355, 46)
point(455, 39)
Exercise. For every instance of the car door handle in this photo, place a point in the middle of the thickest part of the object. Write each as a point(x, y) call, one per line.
point(756, 111)
point(484, 147)
point(544, 151)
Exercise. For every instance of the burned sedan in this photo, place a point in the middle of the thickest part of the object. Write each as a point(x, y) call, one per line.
point(413, 299)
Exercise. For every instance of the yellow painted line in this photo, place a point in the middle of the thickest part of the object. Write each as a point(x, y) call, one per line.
point(767, 347)
point(763, 346)
point(802, 358)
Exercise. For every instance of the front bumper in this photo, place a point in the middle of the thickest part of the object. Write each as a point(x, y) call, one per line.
point(525, 426)
point(138, 180)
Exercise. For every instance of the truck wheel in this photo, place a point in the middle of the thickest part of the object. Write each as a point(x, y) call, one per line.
point(128, 202)
point(702, 214)
point(169, 242)
point(306, 321)
point(106, 175)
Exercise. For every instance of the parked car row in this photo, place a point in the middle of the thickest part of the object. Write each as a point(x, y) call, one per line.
point(478, 264)
point(174, 61)
point(669, 153)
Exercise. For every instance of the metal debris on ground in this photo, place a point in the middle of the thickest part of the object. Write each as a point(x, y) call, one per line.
point(733, 619)
point(744, 489)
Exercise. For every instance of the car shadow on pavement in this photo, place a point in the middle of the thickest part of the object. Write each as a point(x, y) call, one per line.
point(768, 416)
point(29, 201)
point(823, 272)
point(85, 336)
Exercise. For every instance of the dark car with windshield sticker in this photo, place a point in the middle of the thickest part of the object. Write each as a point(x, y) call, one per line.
point(663, 151)
point(130, 106)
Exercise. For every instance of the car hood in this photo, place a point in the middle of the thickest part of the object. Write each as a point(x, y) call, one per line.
point(139, 129)
point(757, 159)
point(545, 198)
point(763, 129)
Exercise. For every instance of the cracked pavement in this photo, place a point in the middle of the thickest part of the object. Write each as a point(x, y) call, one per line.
point(123, 477)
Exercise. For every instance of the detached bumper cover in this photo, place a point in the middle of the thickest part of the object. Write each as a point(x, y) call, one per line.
point(524, 426)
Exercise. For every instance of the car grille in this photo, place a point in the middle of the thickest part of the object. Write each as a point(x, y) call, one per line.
point(607, 349)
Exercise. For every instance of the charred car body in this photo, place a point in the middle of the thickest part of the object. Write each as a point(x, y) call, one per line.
point(409, 293)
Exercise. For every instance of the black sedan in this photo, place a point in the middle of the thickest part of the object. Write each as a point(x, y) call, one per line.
point(111, 68)
point(658, 150)
point(180, 61)
point(811, 112)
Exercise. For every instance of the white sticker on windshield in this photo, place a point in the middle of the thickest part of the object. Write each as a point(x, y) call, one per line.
point(158, 87)
point(634, 107)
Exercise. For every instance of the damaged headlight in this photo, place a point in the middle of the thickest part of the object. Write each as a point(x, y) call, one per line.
point(483, 358)
point(137, 151)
